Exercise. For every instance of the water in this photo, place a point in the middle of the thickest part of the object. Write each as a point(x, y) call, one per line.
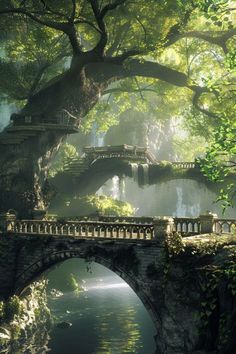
point(107, 318)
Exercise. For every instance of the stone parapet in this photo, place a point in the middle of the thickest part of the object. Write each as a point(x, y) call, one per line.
point(207, 222)
point(163, 227)
point(7, 222)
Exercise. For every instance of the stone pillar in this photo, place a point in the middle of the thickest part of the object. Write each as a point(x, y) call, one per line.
point(163, 227)
point(7, 222)
point(207, 222)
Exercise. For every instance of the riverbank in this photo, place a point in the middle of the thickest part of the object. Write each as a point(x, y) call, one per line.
point(25, 321)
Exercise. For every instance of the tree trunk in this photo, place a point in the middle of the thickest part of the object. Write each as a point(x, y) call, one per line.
point(28, 146)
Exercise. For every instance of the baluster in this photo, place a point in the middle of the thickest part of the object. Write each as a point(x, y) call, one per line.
point(117, 232)
point(145, 233)
point(73, 231)
point(80, 230)
point(105, 231)
point(111, 234)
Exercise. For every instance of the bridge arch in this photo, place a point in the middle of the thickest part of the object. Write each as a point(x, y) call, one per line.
point(38, 266)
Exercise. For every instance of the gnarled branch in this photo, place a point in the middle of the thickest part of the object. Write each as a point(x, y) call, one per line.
point(220, 40)
point(99, 16)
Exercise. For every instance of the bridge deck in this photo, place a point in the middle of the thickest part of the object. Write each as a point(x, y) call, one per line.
point(132, 154)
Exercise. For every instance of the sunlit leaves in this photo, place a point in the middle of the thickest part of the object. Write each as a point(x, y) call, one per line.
point(219, 12)
point(220, 159)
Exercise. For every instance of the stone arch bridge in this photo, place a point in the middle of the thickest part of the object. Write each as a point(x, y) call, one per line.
point(85, 175)
point(135, 249)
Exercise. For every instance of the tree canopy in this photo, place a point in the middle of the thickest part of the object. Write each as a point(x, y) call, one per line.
point(95, 59)
point(124, 49)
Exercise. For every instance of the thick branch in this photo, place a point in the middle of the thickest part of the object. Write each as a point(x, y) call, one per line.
point(72, 17)
point(207, 36)
point(99, 16)
point(110, 7)
point(111, 70)
point(155, 70)
point(131, 90)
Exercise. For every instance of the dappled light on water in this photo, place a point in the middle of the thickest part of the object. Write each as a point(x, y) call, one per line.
point(105, 317)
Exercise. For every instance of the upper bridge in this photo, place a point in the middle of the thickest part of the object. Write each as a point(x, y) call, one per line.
point(86, 174)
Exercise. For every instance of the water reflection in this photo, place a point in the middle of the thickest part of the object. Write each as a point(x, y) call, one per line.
point(108, 318)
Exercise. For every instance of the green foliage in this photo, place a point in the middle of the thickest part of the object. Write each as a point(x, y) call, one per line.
point(175, 245)
point(220, 160)
point(218, 12)
point(73, 284)
point(109, 206)
point(191, 37)
point(66, 153)
point(212, 279)
point(12, 308)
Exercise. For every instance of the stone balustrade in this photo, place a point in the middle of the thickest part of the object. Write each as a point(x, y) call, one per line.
point(86, 229)
point(144, 228)
point(184, 165)
point(122, 151)
point(224, 226)
point(187, 225)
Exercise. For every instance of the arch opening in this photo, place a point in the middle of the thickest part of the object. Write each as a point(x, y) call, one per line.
point(106, 315)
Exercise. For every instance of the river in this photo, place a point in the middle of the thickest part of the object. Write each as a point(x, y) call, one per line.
point(106, 318)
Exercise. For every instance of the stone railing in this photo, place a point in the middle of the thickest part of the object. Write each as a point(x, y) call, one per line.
point(187, 225)
point(113, 219)
point(224, 226)
point(184, 165)
point(85, 229)
point(121, 151)
point(145, 228)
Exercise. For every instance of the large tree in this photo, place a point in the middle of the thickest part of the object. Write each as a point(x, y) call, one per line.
point(59, 57)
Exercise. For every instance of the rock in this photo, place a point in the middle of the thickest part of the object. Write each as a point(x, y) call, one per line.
point(64, 325)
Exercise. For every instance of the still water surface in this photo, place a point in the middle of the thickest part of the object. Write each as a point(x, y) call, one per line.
point(107, 318)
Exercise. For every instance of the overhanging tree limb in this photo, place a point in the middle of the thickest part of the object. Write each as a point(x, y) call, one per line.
point(220, 39)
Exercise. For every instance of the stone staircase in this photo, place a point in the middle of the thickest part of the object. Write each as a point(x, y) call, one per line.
point(77, 166)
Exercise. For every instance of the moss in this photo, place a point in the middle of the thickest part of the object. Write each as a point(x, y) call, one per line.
point(13, 308)
point(22, 318)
